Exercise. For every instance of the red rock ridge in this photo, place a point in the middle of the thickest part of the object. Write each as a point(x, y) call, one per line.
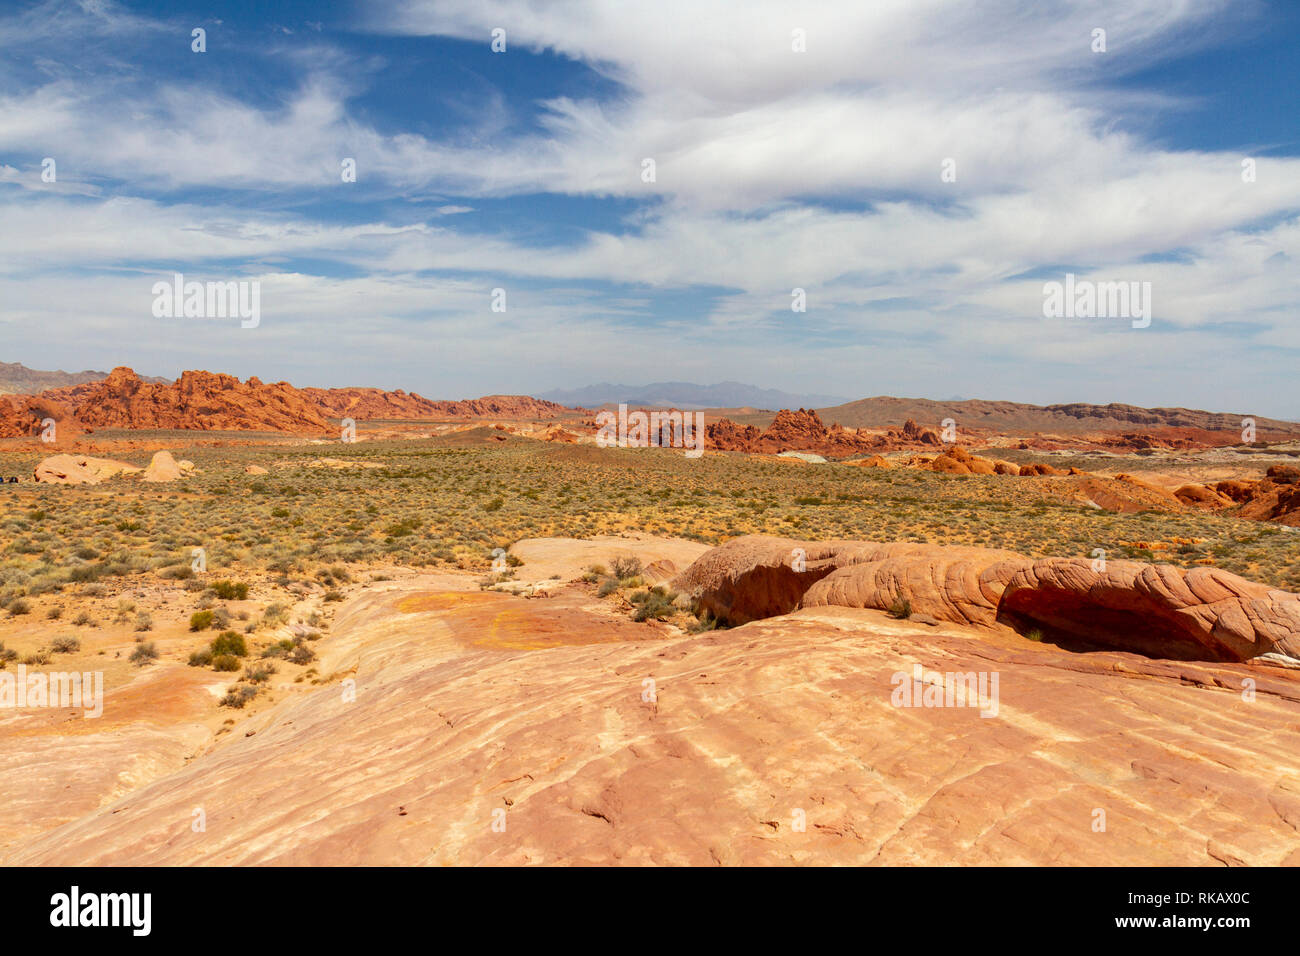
point(803, 430)
point(204, 401)
point(368, 404)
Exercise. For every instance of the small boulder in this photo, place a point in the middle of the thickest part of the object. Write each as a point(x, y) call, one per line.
point(162, 467)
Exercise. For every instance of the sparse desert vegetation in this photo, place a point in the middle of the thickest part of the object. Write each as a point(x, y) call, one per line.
point(423, 505)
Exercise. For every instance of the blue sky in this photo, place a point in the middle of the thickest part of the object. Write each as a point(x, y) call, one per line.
point(775, 170)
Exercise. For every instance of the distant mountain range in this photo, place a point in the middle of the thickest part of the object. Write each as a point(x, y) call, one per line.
point(18, 379)
point(687, 395)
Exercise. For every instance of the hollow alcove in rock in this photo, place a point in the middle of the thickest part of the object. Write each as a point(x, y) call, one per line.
point(1075, 621)
point(762, 591)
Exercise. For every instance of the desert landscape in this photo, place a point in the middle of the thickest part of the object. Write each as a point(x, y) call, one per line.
point(854, 440)
point(349, 626)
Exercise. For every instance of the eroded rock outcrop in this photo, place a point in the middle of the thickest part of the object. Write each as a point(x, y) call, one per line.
point(80, 470)
point(163, 467)
point(1275, 497)
point(801, 430)
point(368, 404)
point(1155, 610)
point(199, 400)
point(23, 416)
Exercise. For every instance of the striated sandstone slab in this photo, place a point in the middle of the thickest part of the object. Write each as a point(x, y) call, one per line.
point(774, 743)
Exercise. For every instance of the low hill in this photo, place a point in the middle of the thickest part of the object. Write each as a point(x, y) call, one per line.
point(884, 410)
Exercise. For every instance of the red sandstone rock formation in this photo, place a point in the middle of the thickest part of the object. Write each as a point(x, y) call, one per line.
point(1154, 610)
point(22, 416)
point(1275, 497)
point(959, 461)
point(1037, 469)
point(216, 402)
point(199, 400)
point(726, 435)
point(912, 432)
point(369, 404)
point(800, 430)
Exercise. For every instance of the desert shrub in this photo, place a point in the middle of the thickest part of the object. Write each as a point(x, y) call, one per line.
point(87, 572)
point(607, 587)
point(626, 566)
point(226, 662)
point(278, 649)
point(144, 621)
point(275, 614)
point(333, 596)
point(201, 658)
point(302, 654)
point(229, 642)
point(144, 653)
point(6, 653)
point(900, 609)
point(654, 604)
point(177, 572)
point(200, 620)
point(259, 673)
point(705, 623)
point(19, 606)
point(83, 619)
point(54, 613)
point(403, 528)
point(66, 644)
point(239, 695)
point(230, 590)
point(36, 658)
